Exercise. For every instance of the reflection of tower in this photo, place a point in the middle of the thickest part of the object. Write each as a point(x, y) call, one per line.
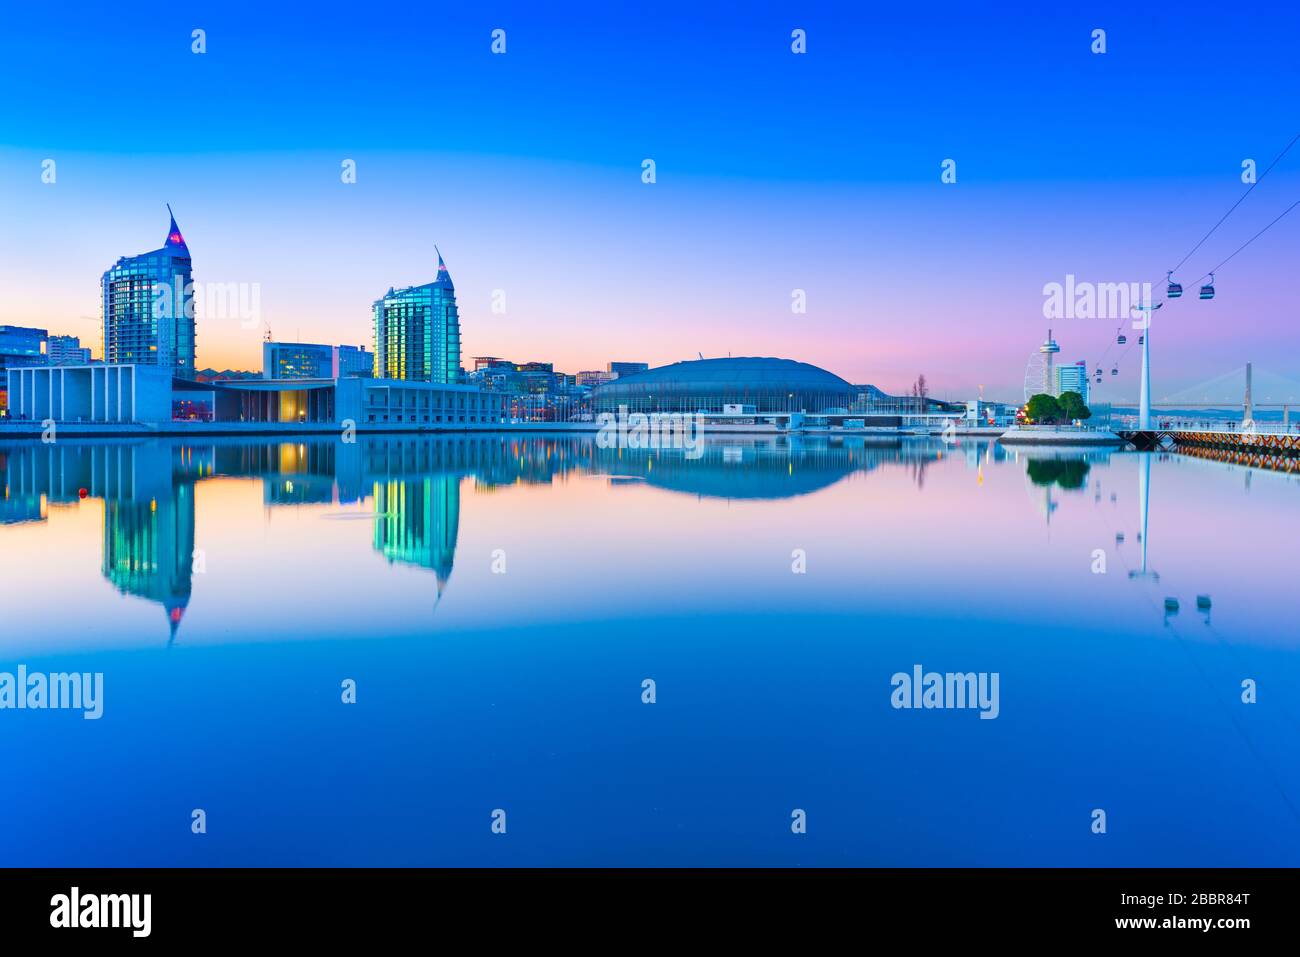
point(1049, 506)
point(1040, 377)
point(149, 547)
point(1144, 492)
point(417, 521)
point(1248, 406)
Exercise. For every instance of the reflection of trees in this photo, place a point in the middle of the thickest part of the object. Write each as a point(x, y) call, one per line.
point(1063, 473)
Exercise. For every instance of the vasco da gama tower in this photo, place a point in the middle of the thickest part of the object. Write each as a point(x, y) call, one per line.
point(149, 308)
point(417, 332)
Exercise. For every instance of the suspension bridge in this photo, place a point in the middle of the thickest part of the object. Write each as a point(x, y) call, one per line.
point(1267, 444)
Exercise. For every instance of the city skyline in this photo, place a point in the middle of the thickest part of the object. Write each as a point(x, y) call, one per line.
point(826, 180)
point(858, 438)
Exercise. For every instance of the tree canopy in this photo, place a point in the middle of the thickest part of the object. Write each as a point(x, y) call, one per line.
point(1043, 408)
point(1049, 409)
point(1073, 407)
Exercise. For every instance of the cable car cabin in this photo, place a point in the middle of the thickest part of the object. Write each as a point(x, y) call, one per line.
point(1174, 290)
point(1098, 370)
point(1141, 339)
point(1114, 371)
point(1121, 340)
point(1207, 291)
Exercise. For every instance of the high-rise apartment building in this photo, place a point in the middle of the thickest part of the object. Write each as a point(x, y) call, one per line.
point(148, 308)
point(417, 332)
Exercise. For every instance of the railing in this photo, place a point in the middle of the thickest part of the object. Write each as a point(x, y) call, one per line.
point(1065, 427)
point(1223, 427)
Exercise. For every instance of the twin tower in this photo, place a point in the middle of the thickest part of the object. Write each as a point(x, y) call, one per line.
point(417, 329)
point(417, 332)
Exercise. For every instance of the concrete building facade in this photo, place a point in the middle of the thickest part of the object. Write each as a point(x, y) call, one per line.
point(100, 393)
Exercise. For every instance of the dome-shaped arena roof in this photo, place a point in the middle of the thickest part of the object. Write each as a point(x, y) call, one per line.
point(731, 377)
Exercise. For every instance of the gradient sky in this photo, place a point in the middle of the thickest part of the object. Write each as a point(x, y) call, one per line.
point(775, 172)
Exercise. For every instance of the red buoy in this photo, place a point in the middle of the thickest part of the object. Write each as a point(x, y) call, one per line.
point(82, 493)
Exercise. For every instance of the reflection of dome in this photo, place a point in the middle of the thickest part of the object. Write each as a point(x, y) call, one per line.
point(770, 385)
point(735, 471)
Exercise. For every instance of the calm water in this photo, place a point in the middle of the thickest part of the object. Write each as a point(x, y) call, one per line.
point(499, 601)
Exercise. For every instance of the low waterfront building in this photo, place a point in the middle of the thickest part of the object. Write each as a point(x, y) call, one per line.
point(312, 360)
point(384, 404)
point(534, 390)
point(990, 414)
point(296, 360)
point(117, 394)
point(151, 397)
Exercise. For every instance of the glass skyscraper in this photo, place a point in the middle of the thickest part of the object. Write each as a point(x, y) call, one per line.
point(148, 308)
point(417, 332)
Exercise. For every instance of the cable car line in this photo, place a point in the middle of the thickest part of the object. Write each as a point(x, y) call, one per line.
point(1174, 289)
point(1259, 179)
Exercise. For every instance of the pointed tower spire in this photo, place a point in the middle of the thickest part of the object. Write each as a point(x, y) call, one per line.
point(444, 277)
point(174, 237)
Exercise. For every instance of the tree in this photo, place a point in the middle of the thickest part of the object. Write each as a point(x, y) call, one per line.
point(920, 389)
point(1073, 407)
point(1043, 408)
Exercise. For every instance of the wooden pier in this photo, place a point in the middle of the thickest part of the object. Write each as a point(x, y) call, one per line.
point(1279, 451)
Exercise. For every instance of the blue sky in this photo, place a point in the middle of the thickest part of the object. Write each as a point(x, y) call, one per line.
point(775, 172)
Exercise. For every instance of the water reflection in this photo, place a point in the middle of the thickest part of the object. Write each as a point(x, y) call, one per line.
point(410, 487)
point(324, 561)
